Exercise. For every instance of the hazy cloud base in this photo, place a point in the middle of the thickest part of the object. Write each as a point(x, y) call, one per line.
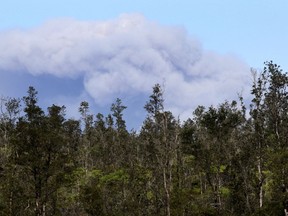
point(125, 57)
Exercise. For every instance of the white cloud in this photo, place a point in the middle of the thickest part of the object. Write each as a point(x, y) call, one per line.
point(126, 56)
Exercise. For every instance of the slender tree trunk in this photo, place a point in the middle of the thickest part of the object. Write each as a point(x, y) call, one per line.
point(218, 187)
point(166, 167)
point(11, 203)
point(218, 193)
point(260, 179)
point(44, 209)
point(167, 192)
point(38, 193)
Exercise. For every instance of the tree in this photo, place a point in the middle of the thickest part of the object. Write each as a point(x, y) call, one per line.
point(41, 154)
point(86, 158)
point(117, 112)
point(269, 122)
point(216, 146)
point(160, 135)
point(276, 129)
point(10, 182)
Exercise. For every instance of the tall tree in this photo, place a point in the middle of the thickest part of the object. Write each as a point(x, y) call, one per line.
point(117, 112)
point(276, 118)
point(160, 135)
point(10, 182)
point(86, 145)
point(42, 154)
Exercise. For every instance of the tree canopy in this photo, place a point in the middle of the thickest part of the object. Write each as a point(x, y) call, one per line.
point(223, 160)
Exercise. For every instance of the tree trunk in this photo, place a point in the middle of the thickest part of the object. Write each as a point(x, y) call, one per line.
point(167, 192)
point(260, 179)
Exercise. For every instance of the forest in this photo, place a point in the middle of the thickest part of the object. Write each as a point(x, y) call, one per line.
point(229, 159)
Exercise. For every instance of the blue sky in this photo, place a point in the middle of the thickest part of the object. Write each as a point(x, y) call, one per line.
point(254, 30)
point(232, 35)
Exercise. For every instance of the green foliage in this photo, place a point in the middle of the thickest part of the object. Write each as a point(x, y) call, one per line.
point(117, 176)
point(220, 161)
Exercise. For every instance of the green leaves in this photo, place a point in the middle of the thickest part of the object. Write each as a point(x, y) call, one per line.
point(218, 162)
point(114, 177)
point(155, 104)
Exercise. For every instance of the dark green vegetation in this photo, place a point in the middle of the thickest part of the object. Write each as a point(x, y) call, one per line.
point(222, 161)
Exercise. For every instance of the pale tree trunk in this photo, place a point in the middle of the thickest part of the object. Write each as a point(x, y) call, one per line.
point(11, 203)
point(218, 191)
point(166, 167)
point(168, 163)
point(167, 192)
point(44, 210)
point(260, 179)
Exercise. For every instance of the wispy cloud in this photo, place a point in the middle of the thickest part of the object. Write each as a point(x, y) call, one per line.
point(126, 56)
